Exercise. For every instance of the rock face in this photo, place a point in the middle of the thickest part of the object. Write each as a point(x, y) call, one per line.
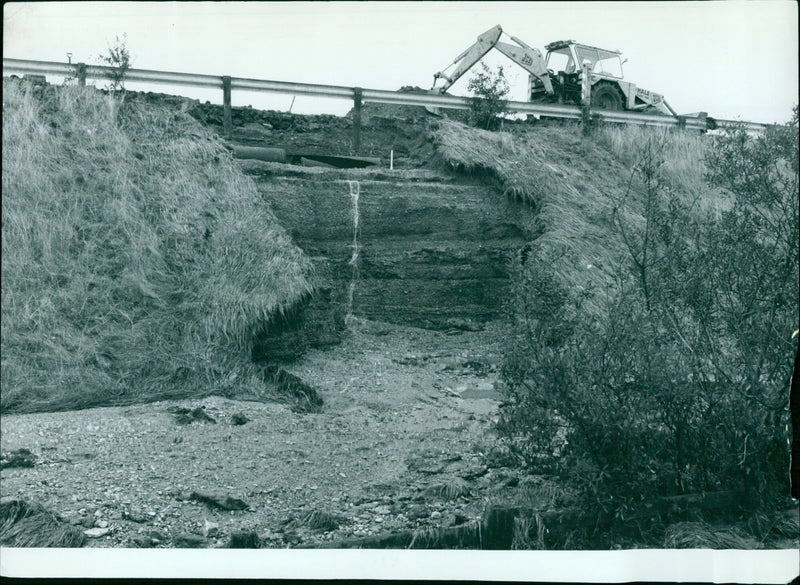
point(433, 252)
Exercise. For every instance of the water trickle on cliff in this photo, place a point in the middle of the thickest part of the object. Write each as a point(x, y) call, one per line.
point(355, 189)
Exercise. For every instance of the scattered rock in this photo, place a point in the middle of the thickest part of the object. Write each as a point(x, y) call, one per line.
point(430, 462)
point(185, 416)
point(135, 515)
point(101, 524)
point(96, 532)
point(382, 510)
point(480, 368)
point(184, 540)
point(181, 495)
point(456, 325)
point(253, 131)
point(418, 512)
point(157, 536)
point(436, 514)
point(239, 419)
point(501, 456)
point(470, 469)
point(291, 537)
point(245, 539)
point(219, 502)
point(143, 541)
point(18, 458)
point(210, 529)
point(451, 364)
point(411, 360)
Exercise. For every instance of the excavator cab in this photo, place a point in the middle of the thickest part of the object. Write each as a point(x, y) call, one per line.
point(560, 60)
point(564, 61)
point(568, 56)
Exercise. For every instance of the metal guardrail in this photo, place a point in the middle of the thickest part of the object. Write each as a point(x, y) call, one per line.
point(81, 71)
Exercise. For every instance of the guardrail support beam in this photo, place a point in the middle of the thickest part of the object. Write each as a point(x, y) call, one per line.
point(356, 119)
point(227, 119)
point(378, 96)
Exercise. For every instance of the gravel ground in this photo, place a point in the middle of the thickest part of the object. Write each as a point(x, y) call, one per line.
point(401, 443)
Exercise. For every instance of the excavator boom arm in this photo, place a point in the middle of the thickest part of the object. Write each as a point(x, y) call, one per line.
point(529, 59)
point(468, 58)
point(524, 55)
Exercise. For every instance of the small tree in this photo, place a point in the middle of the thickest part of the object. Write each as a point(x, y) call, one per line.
point(119, 59)
point(489, 92)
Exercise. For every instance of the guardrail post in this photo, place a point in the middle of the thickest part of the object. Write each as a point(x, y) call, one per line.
point(586, 99)
point(227, 119)
point(356, 119)
point(586, 85)
point(80, 73)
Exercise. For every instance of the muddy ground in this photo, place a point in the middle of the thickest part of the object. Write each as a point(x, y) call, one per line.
point(404, 441)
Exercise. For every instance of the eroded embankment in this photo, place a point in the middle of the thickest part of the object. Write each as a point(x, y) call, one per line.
point(433, 252)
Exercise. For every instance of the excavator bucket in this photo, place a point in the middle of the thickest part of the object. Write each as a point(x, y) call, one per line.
point(467, 59)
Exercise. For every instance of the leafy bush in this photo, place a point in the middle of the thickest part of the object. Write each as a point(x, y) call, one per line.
point(681, 384)
point(138, 261)
point(489, 92)
point(119, 59)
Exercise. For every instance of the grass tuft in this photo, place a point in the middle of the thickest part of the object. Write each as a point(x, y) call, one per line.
point(321, 520)
point(703, 535)
point(138, 261)
point(452, 489)
point(30, 525)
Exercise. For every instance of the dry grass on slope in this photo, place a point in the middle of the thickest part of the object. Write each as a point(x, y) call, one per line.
point(570, 184)
point(684, 169)
point(138, 261)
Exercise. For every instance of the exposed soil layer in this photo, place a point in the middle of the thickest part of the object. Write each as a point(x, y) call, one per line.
point(432, 251)
point(433, 248)
point(395, 447)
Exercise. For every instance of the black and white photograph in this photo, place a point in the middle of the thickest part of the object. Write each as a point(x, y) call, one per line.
point(401, 290)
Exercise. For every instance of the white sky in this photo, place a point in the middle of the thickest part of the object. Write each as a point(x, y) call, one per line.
point(735, 60)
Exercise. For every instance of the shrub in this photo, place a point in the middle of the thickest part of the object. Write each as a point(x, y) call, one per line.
point(119, 59)
point(138, 261)
point(489, 92)
point(681, 384)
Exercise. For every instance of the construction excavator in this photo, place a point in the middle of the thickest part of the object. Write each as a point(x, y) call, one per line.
point(557, 77)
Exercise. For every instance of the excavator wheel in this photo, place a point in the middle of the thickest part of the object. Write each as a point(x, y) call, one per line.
point(605, 96)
